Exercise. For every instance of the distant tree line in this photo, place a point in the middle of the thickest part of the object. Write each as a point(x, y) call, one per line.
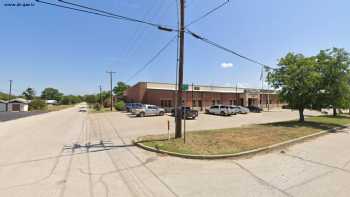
point(320, 81)
point(101, 100)
point(39, 101)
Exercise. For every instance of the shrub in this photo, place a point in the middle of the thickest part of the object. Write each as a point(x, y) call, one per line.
point(97, 107)
point(119, 105)
point(37, 104)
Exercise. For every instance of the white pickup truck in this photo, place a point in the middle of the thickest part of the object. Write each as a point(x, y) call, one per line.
point(148, 110)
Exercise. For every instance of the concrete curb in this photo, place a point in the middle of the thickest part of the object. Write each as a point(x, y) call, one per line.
point(138, 143)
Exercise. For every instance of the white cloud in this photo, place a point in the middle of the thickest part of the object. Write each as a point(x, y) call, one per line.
point(226, 65)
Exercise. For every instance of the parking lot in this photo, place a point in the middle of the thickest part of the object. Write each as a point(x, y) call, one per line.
point(132, 127)
point(37, 159)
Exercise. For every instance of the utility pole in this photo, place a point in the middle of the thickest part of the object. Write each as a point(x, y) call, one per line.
point(233, 94)
point(10, 91)
point(111, 81)
point(192, 96)
point(101, 103)
point(237, 95)
point(178, 117)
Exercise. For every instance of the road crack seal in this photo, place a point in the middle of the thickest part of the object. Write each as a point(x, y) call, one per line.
point(262, 181)
point(318, 163)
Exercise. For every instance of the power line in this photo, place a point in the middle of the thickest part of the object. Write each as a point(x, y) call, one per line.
point(227, 49)
point(105, 14)
point(153, 58)
point(178, 24)
point(208, 13)
point(159, 13)
point(149, 14)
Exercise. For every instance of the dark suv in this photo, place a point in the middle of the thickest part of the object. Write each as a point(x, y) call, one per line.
point(187, 112)
point(255, 109)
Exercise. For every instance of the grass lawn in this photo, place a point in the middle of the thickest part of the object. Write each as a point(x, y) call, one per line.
point(235, 140)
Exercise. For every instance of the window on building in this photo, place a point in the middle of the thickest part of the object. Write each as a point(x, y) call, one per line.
point(218, 102)
point(200, 103)
point(165, 103)
point(213, 102)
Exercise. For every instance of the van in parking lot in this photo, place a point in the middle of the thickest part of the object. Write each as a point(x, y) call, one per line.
point(222, 110)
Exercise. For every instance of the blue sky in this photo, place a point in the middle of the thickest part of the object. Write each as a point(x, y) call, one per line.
point(43, 46)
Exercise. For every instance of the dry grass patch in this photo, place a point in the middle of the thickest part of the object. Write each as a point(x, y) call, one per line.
point(51, 108)
point(235, 140)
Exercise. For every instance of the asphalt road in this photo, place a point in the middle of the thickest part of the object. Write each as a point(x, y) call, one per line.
point(38, 158)
point(6, 116)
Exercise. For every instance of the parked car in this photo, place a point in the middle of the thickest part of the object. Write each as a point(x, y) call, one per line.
point(130, 106)
point(148, 110)
point(83, 109)
point(233, 109)
point(255, 109)
point(222, 110)
point(242, 110)
point(187, 112)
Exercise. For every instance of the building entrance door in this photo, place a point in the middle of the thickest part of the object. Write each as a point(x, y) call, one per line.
point(252, 101)
point(16, 107)
point(200, 104)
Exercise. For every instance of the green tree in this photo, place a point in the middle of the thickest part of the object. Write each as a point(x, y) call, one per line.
point(29, 94)
point(37, 104)
point(51, 94)
point(70, 99)
point(3, 96)
point(334, 68)
point(120, 88)
point(91, 99)
point(119, 105)
point(105, 95)
point(298, 80)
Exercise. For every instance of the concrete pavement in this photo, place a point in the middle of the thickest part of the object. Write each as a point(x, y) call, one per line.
point(37, 159)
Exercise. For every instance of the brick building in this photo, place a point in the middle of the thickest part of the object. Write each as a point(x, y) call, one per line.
point(200, 96)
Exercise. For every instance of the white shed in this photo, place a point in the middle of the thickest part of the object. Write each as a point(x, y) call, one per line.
point(51, 102)
point(3, 106)
point(18, 104)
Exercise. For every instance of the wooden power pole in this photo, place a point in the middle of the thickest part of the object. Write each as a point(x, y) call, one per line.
point(10, 91)
point(178, 118)
point(101, 103)
point(111, 82)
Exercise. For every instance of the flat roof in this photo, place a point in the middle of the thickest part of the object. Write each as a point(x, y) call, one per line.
point(204, 88)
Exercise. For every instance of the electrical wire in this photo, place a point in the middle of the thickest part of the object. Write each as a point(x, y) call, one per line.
point(199, 37)
point(208, 13)
point(140, 30)
point(191, 23)
point(105, 14)
point(159, 13)
point(152, 59)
